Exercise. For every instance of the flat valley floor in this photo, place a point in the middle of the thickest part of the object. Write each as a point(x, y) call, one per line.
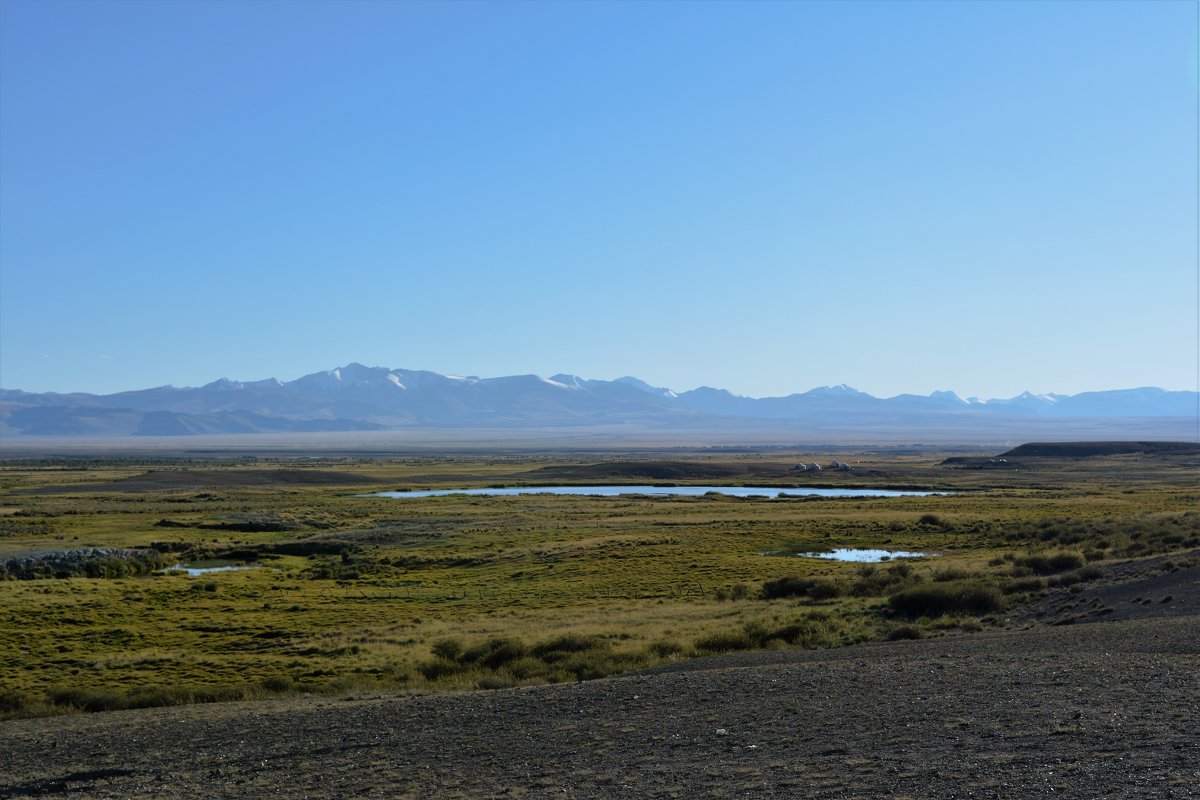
point(1088, 710)
point(1078, 689)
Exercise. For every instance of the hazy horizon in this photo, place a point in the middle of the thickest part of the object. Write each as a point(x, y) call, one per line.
point(987, 198)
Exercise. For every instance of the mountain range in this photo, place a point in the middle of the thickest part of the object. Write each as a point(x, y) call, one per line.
point(359, 398)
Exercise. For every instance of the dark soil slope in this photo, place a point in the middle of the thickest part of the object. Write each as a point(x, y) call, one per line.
point(1166, 586)
point(1086, 449)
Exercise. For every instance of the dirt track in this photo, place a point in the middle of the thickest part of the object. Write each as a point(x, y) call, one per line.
point(1108, 709)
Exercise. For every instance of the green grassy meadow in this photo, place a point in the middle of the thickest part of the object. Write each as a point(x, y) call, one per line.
point(356, 594)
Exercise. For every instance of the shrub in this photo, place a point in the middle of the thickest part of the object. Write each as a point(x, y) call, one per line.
point(560, 647)
point(904, 632)
point(757, 632)
point(278, 684)
point(1022, 585)
point(82, 699)
point(724, 642)
point(596, 664)
point(495, 682)
point(946, 598)
point(790, 586)
point(449, 649)
point(86, 699)
point(1049, 565)
point(875, 582)
point(824, 589)
point(439, 668)
point(1061, 562)
point(665, 649)
point(951, 574)
point(523, 669)
point(1082, 575)
point(13, 701)
point(816, 588)
point(808, 633)
point(493, 653)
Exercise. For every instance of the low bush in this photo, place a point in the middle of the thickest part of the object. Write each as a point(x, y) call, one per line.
point(278, 684)
point(1022, 585)
point(1049, 565)
point(526, 668)
point(439, 668)
point(1082, 575)
point(810, 631)
point(561, 647)
point(595, 664)
point(792, 586)
point(904, 632)
point(449, 649)
point(875, 582)
point(13, 701)
point(75, 698)
point(510, 662)
point(493, 653)
point(952, 574)
point(665, 649)
point(724, 642)
point(946, 598)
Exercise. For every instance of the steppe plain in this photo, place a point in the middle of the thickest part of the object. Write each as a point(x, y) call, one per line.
point(606, 647)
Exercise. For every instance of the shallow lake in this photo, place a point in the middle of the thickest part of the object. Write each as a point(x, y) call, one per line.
point(862, 556)
point(205, 567)
point(658, 491)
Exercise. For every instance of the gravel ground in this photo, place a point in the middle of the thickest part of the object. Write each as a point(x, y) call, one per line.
point(1087, 710)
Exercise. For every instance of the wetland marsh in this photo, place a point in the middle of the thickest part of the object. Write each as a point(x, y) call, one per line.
point(460, 591)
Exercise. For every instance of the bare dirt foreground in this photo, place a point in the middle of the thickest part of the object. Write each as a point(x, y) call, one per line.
point(1088, 710)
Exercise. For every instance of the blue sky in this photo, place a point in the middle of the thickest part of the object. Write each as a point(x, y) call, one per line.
point(986, 197)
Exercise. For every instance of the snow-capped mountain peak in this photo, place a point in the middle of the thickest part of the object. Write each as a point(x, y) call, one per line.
point(946, 394)
point(638, 383)
point(357, 397)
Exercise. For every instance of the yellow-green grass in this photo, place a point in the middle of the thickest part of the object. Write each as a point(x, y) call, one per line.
point(645, 578)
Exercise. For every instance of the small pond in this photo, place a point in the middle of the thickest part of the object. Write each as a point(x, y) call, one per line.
point(205, 567)
point(862, 556)
point(658, 491)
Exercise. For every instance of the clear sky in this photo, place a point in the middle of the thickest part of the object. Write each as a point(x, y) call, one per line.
point(985, 197)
